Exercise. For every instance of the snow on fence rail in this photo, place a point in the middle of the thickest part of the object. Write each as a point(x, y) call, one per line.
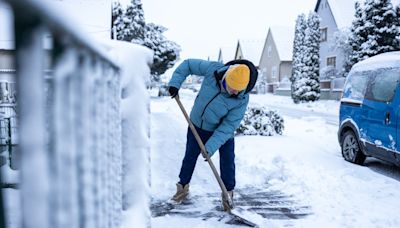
point(69, 124)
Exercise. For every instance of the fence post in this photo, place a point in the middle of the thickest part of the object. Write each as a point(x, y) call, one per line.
point(29, 38)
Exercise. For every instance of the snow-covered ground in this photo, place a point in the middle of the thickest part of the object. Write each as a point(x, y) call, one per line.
point(304, 164)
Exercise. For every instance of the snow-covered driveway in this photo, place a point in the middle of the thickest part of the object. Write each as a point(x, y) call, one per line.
point(304, 166)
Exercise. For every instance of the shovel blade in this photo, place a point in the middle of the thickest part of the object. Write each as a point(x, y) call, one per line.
point(238, 218)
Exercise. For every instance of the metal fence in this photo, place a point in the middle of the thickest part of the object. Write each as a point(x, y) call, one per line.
point(69, 123)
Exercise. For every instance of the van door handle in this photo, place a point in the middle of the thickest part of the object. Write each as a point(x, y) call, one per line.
point(387, 118)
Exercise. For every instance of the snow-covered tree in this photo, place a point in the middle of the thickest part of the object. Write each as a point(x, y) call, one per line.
point(166, 52)
point(305, 78)
point(357, 37)
point(135, 23)
point(259, 120)
point(130, 25)
point(117, 15)
point(313, 37)
point(381, 27)
point(298, 51)
point(397, 10)
point(375, 30)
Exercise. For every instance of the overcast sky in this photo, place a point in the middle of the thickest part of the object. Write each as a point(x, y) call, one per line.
point(202, 26)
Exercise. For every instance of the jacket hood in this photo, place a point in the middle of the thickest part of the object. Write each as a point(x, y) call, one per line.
point(253, 72)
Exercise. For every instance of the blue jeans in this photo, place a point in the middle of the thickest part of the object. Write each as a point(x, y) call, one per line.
point(226, 153)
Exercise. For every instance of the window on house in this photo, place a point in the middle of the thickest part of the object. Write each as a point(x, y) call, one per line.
point(264, 74)
point(331, 61)
point(274, 72)
point(269, 51)
point(324, 34)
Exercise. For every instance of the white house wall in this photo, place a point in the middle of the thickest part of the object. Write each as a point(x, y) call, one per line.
point(326, 47)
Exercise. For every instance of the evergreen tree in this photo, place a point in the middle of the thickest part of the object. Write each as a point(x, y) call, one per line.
point(134, 23)
point(298, 51)
point(313, 37)
point(380, 25)
point(305, 79)
point(356, 38)
point(375, 30)
point(166, 52)
point(117, 14)
point(397, 10)
point(130, 26)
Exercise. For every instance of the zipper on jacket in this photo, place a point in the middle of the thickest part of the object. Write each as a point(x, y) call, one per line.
point(204, 110)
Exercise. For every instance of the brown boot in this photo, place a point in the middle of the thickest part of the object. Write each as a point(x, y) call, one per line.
point(181, 193)
point(225, 203)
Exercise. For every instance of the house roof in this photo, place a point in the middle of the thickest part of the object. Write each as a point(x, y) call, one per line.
point(283, 38)
point(251, 49)
point(342, 10)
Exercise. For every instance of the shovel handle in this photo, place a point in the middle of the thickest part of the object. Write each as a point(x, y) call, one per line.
point(204, 153)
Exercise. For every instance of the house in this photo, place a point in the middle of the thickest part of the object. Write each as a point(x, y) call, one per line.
point(336, 16)
point(249, 49)
point(275, 64)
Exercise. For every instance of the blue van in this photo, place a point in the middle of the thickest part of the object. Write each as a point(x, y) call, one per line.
point(369, 110)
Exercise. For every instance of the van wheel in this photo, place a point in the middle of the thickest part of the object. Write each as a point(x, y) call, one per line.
point(351, 150)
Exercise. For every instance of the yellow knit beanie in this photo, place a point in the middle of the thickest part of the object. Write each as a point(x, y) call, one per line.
point(237, 76)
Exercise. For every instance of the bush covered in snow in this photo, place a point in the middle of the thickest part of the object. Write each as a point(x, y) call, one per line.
point(261, 121)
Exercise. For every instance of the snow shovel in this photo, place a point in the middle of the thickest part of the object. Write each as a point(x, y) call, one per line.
point(214, 170)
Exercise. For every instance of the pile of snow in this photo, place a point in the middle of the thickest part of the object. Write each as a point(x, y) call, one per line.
point(259, 120)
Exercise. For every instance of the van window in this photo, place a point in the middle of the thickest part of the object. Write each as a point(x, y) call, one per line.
point(356, 85)
point(383, 85)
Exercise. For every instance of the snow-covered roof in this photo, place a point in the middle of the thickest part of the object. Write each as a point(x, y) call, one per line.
point(6, 27)
point(283, 37)
point(251, 49)
point(226, 53)
point(384, 60)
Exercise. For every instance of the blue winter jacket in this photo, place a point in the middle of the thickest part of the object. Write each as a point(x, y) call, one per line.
point(213, 109)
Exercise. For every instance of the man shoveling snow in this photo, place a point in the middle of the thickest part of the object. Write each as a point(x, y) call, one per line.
point(217, 112)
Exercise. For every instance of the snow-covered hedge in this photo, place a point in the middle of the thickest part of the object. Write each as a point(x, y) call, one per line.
point(261, 121)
